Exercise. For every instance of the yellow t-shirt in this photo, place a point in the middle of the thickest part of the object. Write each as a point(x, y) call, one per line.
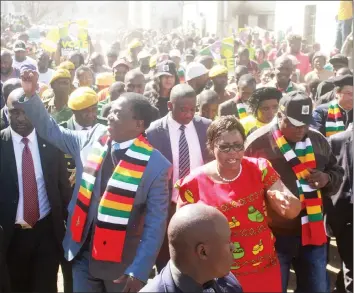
point(345, 10)
point(250, 122)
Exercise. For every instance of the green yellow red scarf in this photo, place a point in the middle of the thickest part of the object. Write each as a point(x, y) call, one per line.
point(334, 123)
point(116, 204)
point(313, 232)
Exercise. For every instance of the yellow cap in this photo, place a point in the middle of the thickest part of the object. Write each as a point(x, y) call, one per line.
point(68, 65)
point(153, 61)
point(104, 79)
point(60, 73)
point(82, 98)
point(135, 44)
point(217, 70)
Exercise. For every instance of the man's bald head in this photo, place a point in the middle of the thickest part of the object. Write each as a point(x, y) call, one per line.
point(199, 237)
point(180, 91)
point(14, 96)
point(10, 85)
point(135, 81)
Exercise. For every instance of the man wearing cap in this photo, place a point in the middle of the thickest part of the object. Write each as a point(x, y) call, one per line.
point(120, 69)
point(219, 77)
point(307, 167)
point(134, 48)
point(338, 61)
point(175, 56)
point(118, 211)
point(189, 55)
point(197, 76)
point(7, 69)
point(103, 82)
point(143, 60)
point(336, 115)
point(20, 57)
point(55, 99)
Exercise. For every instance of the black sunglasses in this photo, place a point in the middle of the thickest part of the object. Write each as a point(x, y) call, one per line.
point(237, 147)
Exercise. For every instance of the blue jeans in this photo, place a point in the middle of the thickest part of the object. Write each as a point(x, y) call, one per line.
point(83, 281)
point(344, 27)
point(309, 263)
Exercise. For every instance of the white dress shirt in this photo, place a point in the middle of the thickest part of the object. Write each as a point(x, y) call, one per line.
point(46, 77)
point(44, 206)
point(195, 153)
point(79, 127)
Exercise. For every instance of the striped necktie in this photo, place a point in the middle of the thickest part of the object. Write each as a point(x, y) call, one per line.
point(184, 164)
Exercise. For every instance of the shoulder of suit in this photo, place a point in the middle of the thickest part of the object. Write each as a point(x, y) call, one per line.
point(160, 159)
point(5, 133)
point(155, 124)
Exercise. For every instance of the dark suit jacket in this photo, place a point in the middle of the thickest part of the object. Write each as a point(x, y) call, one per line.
point(164, 283)
point(3, 119)
point(228, 108)
point(342, 211)
point(56, 183)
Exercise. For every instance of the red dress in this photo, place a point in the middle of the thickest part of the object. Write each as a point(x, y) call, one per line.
point(243, 203)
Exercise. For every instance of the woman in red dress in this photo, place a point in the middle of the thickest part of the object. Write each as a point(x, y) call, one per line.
point(240, 187)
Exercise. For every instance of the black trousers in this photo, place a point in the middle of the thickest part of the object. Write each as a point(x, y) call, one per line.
point(33, 258)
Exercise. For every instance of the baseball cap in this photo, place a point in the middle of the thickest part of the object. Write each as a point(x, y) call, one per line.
point(27, 67)
point(297, 107)
point(194, 70)
point(19, 46)
point(175, 53)
point(143, 54)
point(121, 62)
point(339, 58)
point(166, 67)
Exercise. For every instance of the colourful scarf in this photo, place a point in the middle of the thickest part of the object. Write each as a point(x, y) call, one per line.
point(334, 123)
point(313, 232)
point(116, 204)
point(241, 110)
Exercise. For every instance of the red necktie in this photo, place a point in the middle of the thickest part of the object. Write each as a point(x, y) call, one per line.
point(30, 191)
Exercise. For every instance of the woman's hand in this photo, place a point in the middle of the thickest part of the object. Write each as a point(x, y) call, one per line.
point(283, 201)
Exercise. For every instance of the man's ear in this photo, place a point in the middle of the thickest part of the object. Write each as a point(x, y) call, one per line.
point(169, 105)
point(202, 251)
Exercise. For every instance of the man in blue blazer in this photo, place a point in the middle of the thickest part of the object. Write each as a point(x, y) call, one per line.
point(181, 137)
point(201, 253)
point(117, 219)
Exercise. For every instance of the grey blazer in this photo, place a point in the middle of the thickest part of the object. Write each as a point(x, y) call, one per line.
point(147, 223)
point(158, 135)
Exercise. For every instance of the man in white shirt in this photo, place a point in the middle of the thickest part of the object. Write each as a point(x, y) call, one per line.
point(45, 73)
point(20, 57)
point(181, 137)
point(34, 197)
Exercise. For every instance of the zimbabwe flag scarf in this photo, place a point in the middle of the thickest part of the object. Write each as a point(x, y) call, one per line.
point(334, 123)
point(313, 232)
point(241, 108)
point(116, 204)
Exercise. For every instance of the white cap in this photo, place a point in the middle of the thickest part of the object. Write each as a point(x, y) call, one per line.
point(175, 53)
point(194, 70)
point(143, 54)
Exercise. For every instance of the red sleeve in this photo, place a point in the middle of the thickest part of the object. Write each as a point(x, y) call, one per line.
point(187, 190)
point(269, 175)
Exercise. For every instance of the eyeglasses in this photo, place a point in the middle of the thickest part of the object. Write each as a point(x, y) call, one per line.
point(237, 147)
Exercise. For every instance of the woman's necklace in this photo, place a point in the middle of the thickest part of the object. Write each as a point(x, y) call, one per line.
point(225, 179)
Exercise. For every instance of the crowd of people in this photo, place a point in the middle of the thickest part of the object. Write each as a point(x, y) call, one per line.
point(152, 161)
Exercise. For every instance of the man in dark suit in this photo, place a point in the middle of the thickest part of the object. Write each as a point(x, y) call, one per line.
point(201, 254)
point(181, 137)
point(34, 195)
point(245, 87)
point(340, 217)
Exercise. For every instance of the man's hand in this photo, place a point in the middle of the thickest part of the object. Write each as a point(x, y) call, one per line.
point(280, 201)
point(29, 82)
point(317, 179)
point(131, 284)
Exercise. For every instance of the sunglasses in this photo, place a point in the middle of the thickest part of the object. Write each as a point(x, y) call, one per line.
point(226, 148)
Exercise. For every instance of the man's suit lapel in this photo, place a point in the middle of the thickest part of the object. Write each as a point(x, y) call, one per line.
point(199, 127)
point(10, 160)
point(165, 138)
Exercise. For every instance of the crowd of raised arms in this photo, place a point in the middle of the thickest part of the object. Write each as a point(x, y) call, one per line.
point(161, 165)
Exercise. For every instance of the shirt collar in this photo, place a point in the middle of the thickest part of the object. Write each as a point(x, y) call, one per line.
point(79, 127)
point(184, 282)
point(17, 138)
point(175, 125)
point(122, 145)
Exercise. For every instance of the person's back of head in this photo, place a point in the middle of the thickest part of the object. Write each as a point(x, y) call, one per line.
point(10, 85)
point(199, 242)
point(208, 104)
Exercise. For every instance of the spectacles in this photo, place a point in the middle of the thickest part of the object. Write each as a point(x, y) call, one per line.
point(237, 147)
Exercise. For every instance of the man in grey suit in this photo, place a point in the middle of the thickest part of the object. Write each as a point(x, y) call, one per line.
point(117, 220)
point(181, 137)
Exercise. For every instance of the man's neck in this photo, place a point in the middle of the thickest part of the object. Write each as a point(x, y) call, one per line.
point(284, 85)
point(59, 103)
point(164, 92)
point(192, 272)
